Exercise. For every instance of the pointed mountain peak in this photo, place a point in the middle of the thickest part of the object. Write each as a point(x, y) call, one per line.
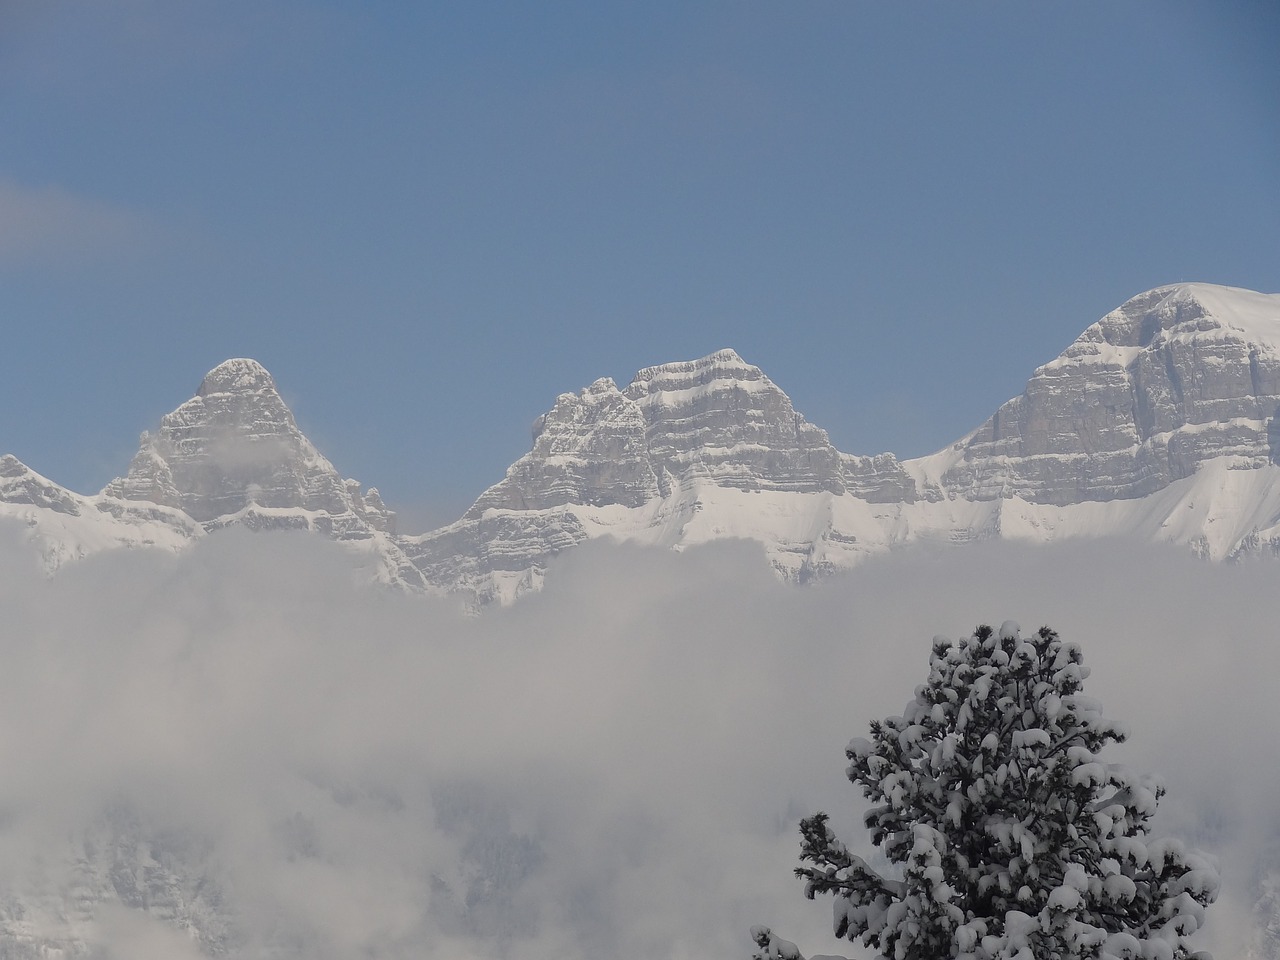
point(235, 449)
point(239, 375)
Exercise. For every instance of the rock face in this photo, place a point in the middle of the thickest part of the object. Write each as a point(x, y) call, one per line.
point(590, 448)
point(717, 419)
point(723, 420)
point(1174, 377)
point(230, 456)
point(20, 485)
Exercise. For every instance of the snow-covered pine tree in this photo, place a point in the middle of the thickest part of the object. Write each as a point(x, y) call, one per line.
point(1012, 839)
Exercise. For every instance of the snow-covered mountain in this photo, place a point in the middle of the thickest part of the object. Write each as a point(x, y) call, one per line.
point(232, 455)
point(1158, 422)
point(641, 463)
point(233, 452)
point(1175, 377)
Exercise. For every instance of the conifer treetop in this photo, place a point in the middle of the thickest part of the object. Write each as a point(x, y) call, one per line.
point(1012, 838)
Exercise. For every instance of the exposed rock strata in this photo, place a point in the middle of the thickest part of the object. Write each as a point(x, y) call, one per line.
point(1174, 380)
point(1174, 377)
point(717, 419)
point(19, 484)
point(715, 423)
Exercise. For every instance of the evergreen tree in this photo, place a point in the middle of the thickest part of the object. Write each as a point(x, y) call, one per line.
point(1012, 839)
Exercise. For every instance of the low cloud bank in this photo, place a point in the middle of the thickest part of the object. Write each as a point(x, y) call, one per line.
point(257, 750)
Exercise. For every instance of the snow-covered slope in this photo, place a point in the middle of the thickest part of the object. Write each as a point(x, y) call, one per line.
point(65, 526)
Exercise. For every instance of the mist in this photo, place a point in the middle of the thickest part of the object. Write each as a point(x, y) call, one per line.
point(612, 768)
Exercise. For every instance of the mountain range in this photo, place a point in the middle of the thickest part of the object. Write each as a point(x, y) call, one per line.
point(1158, 422)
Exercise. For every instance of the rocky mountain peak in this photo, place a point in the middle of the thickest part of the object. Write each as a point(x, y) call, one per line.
point(716, 419)
point(1245, 314)
point(236, 376)
point(723, 366)
point(677, 435)
point(11, 466)
point(234, 451)
point(721, 419)
point(1202, 311)
point(1174, 395)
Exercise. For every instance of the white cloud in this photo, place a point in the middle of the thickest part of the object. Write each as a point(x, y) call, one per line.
point(613, 768)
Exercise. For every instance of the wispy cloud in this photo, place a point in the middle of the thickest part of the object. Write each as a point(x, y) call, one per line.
point(49, 224)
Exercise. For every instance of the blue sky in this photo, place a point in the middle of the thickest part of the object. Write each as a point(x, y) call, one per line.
point(428, 220)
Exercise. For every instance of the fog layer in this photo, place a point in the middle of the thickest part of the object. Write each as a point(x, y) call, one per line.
point(611, 769)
